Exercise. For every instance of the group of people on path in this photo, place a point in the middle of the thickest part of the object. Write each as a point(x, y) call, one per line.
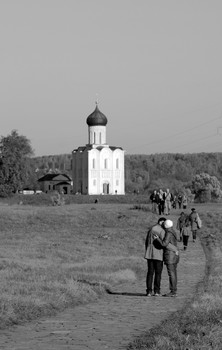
point(164, 201)
point(161, 248)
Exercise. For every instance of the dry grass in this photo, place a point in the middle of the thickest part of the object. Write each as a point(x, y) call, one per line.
point(57, 257)
point(52, 258)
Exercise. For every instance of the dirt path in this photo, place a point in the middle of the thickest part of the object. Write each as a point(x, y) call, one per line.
point(110, 323)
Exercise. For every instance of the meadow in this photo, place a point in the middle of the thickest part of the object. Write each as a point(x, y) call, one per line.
point(57, 257)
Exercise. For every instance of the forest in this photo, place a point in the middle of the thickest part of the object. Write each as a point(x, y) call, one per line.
point(144, 173)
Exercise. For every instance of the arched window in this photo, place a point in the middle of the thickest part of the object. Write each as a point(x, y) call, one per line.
point(94, 134)
point(93, 163)
point(105, 163)
point(117, 163)
point(100, 138)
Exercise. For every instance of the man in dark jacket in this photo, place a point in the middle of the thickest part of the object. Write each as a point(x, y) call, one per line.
point(170, 257)
point(154, 258)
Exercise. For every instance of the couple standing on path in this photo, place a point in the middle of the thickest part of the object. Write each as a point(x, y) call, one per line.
point(161, 246)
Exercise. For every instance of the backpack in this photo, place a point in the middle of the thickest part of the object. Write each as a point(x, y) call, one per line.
point(198, 221)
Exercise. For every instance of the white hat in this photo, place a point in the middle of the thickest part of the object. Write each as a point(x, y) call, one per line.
point(168, 224)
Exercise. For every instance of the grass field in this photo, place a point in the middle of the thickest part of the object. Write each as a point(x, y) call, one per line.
point(52, 258)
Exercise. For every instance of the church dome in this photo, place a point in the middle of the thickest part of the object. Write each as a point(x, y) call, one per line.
point(96, 118)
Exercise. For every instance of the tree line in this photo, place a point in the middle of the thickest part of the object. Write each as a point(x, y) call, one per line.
point(199, 173)
point(167, 170)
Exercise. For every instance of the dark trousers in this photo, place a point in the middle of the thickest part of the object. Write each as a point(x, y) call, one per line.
point(161, 207)
point(154, 207)
point(194, 232)
point(172, 273)
point(185, 241)
point(155, 268)
point(181, 234)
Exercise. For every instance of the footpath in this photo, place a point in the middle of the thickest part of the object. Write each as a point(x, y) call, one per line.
point(115, 320)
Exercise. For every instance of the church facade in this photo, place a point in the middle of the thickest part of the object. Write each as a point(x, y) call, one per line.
point(98, 168)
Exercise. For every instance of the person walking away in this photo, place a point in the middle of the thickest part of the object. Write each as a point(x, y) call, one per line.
point(181, 223)
point(193, 218)
point(170, 258)
point(168, 200)
point(154, 201)
point(160, 202)
point(174, 202)
point(154, 257)
point(179, 199)
point(186, 234)
point(184, 201)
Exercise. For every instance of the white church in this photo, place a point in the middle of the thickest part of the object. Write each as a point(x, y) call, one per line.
point(98, 168)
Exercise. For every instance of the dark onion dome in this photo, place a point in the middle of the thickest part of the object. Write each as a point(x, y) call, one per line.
point(96, 118)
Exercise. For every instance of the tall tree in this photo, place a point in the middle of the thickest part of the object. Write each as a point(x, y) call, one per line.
point(14, 163)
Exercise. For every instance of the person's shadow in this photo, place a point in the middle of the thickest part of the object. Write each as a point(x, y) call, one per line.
point(126, 293)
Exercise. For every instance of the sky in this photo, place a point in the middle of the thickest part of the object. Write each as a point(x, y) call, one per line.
point(155, 67)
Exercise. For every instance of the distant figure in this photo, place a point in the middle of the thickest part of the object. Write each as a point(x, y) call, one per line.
point(96, 200)
point(174, 202)
point(193, 223)
point(181, 223)
point(186, 234)
point(154, 200)
point(168, 200)
point(160, 201)
point(184, 202)
point(179, 199)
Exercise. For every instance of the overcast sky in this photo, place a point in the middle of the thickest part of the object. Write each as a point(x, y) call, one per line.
point(156, 66)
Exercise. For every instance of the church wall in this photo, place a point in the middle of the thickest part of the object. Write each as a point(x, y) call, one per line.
point(80, 172)
point(106, 170)
point(106, 167)
point(94, 172)
point(118, 173)
point(85, 172)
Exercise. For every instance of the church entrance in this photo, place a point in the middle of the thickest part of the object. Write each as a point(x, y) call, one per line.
point(106, 188)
